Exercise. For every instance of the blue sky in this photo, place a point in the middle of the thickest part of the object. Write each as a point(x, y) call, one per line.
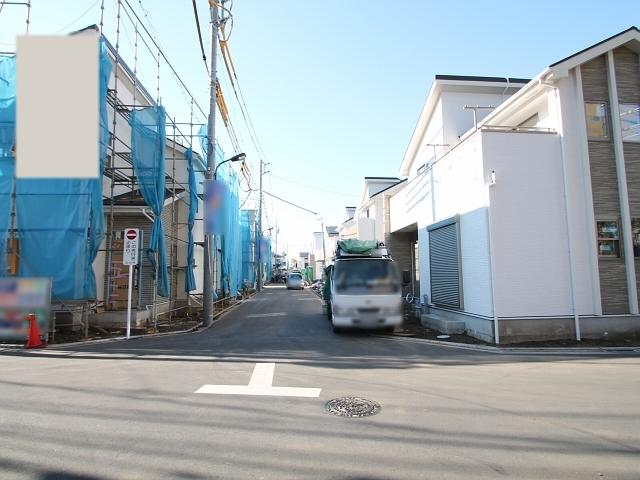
point(335, 88)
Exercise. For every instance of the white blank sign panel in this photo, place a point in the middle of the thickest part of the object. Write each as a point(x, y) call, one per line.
point(57, 118)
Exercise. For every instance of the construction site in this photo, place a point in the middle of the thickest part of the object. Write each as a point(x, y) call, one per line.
point(153, 169)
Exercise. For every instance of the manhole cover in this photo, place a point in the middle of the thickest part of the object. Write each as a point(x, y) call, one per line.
point(352, 407)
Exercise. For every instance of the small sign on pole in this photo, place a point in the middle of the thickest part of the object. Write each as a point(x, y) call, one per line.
point(130, 257)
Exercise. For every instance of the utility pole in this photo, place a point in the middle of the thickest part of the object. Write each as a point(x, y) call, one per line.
point(207, 292)
point(324, 248)
point(276, 256)
point(259, 235)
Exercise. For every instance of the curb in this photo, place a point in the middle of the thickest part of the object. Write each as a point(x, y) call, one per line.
point(633, 351)
point(195, 329)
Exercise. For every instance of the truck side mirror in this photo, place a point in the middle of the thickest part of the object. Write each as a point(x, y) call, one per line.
point(406, 277)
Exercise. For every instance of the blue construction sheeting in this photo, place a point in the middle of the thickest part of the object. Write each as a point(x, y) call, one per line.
point(60, 223)
point(247, 232)
point(53, 227)
point(268, 260)
point(190, 279)
point(7, 136)
point(231, 237)
point(96, 226)
point(148, 140)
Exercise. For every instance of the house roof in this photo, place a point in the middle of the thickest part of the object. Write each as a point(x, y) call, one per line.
point(472, 78)
point(630, 38)
point(450, 83)
point(381, 178)
point(560, 69)
point(389, 187)
point(600, 43)
point(134, 198)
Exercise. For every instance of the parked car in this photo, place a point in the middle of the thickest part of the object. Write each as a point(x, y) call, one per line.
point(295, 281)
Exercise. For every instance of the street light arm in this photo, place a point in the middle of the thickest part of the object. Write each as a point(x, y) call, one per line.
point(235, 158)
point(215, 172)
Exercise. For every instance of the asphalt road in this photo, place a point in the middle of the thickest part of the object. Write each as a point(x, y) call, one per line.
point(125, 410)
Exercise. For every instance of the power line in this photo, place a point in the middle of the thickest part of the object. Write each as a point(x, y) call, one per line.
point(290, 203)
point(164, 56)
point(73, 21)
point(313, 187)
point(204, 55)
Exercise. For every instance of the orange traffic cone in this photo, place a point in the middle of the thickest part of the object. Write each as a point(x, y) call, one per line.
point(33, 337)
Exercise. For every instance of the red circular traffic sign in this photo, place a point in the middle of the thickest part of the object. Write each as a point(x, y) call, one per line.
point(131, 234)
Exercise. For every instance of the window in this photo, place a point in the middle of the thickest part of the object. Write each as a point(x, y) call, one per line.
point(608, 239)
point(635, 234)
point(597, 123)
point(630, 122)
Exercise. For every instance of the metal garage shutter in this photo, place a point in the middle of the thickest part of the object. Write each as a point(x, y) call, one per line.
point(445, 268)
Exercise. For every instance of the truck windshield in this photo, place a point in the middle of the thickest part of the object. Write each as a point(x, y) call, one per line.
point(366, 276)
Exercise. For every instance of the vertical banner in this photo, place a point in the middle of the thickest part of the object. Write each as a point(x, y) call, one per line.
point(214, 196)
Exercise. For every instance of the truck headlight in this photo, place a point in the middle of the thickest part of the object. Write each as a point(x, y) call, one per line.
point(342, 310)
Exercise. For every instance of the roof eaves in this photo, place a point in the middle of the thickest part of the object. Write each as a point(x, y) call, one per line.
point(472, 78)
point(560, 69)
point(584, 50)
point(389, 187)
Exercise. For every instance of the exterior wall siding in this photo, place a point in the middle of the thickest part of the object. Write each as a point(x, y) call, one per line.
point(613, 288)
point(628, 82)
point(528, 225)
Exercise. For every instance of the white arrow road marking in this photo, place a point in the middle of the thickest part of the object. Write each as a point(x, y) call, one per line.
point(258, 315)
point(260, 384)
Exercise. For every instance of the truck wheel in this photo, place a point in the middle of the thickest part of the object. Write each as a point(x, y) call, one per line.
point(337, 329)
point(329, 313)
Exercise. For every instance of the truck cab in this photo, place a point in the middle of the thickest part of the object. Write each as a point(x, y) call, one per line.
point(364, 287)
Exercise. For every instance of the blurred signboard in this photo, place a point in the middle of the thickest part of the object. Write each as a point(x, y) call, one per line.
point(20, 297)
point(214, 195)
point(58, 101)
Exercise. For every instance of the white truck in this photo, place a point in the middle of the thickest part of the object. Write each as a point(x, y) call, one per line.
point(363, 288)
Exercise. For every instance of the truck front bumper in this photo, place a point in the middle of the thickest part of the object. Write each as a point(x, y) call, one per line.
point(368, 322)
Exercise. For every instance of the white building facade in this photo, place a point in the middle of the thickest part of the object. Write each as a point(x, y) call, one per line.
point(525, 214)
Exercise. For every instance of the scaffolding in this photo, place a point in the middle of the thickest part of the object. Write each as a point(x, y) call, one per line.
point(126, 94)
point(122, 200)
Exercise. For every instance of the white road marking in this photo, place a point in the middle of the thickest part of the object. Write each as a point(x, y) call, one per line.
point(262, 375)
point(258, 315)
point(261, 384)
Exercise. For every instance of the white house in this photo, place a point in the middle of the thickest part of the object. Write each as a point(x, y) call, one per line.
point(528, 217)
point(370, 220)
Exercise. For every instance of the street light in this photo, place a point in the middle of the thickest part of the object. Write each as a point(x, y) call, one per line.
point(236, 158)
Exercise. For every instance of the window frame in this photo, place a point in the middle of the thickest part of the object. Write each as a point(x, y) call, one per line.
point(615, 239)
point(636, 248)
point(620, 108)
point(607, 120)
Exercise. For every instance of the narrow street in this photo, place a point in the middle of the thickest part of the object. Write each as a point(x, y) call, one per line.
point(127, 409)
